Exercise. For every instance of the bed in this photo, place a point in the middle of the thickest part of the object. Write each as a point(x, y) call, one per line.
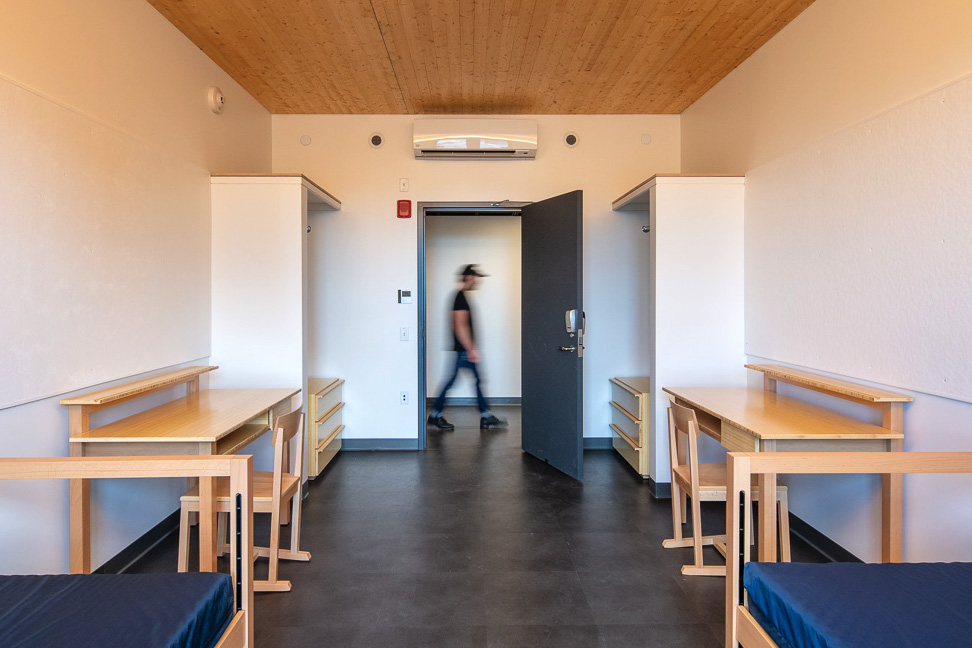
point(130, 610)
point(169, 610)
point(846, 605)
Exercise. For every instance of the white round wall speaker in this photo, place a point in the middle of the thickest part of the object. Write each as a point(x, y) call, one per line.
point(216, 100)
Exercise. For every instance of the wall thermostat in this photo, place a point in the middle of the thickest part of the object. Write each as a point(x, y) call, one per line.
point(404, 296)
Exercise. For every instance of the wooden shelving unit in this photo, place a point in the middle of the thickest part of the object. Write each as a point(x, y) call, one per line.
point(630, 407)
point(325, 407)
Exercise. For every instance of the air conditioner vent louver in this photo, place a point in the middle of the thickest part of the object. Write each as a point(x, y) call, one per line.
point(484, 139)
point(472, 154)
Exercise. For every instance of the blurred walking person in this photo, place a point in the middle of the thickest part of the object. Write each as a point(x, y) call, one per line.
point(467, 354)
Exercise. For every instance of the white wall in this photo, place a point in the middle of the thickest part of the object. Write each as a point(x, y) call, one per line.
point(362, 255)
point(866, 271)
point(493, 243)
point(838, 63)
point(120, 62)
point(796, 118)
point(89, 251)
point(107, 77)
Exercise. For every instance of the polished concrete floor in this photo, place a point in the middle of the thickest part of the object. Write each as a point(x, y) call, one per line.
point(474, 543)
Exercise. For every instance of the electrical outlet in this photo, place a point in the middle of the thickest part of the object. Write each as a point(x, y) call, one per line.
point(404, 398)
point(403, 334)
point(403, 184)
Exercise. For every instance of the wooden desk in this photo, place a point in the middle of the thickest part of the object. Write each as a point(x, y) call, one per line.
point(750, 419)
point(206, 422)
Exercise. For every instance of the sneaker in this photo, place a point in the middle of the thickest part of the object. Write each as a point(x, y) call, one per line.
point(441, 423)
point(491, 421)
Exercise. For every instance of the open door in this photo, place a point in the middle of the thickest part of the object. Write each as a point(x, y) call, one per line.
point(552, 353)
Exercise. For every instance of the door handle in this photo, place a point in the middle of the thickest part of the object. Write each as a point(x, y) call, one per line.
point(571, 349)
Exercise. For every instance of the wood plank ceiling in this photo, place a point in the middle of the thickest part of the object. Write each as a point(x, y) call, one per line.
point(478, 56)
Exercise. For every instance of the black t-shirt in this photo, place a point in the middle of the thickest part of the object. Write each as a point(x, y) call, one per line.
point(461, 304)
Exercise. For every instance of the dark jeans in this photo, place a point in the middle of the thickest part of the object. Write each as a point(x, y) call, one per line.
point(462, 361)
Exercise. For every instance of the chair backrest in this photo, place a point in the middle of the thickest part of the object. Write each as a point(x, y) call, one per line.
point(683, 438)
point(285, 428)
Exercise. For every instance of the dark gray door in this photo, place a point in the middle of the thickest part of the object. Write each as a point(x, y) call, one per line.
point(552, 363)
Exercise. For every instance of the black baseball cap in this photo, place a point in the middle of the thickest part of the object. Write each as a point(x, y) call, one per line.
point(471, 269)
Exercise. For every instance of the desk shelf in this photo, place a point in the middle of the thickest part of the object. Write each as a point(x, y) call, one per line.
point(240, 438)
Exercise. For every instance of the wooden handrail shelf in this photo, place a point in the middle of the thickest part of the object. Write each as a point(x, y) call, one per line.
point(138, 388)
point(870, 396)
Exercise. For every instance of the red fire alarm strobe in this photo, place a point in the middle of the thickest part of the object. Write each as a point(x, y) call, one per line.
point(404, 208)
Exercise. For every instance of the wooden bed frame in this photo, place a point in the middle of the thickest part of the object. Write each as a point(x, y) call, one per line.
point(239, 470)
point(741, 627)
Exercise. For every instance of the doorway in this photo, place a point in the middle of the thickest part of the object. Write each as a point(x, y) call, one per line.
point(551, 321)
point(458, 226)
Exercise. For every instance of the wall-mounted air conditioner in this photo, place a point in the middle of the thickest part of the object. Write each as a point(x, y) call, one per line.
point(481, 139)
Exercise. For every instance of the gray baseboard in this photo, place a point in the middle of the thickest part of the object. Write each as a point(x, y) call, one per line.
point(820, 542)
point(471, 400)
point(661, 490)
point(142, 545)
point(364, 445)
point(598, 443)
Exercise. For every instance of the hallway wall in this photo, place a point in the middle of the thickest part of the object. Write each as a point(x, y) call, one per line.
point(493, 243)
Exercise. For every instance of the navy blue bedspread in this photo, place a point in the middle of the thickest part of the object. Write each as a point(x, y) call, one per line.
point(853, 605)
point(115, 610)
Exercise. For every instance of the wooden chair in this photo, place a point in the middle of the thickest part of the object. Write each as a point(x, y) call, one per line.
point(271, 493)
point(704, 483)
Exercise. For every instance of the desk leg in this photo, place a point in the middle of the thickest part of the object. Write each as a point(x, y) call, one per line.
point(892, 495)
point(207, 525)
point(767, 510)
point(892, 491)
point(79, 497)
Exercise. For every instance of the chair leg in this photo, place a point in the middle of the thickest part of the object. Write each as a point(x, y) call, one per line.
point(222, 546)
point(294, 553)
point(272, 584)
point(274, 545)
point(784, 515)
point(677, 519)
point(699, 568)
point(184, 539)
point(697, 531)
point(749, 523)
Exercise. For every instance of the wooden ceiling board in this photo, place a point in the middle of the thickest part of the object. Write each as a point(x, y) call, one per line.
point(478, 56)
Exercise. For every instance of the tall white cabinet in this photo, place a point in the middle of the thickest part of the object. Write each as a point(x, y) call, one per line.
point(695, 291)
point(259, 278)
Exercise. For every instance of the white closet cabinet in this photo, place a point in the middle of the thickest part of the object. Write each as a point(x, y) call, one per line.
point(695, 291)
point(259, 278)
